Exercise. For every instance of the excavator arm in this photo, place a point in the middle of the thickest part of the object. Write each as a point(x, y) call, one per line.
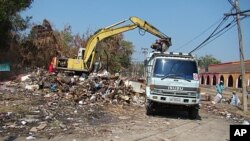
point(100, 35)
point(114, 30)
point(151, 29)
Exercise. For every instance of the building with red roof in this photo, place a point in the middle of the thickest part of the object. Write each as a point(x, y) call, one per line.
point(229, 73)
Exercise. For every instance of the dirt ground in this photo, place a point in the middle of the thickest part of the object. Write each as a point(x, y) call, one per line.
point(169, 126)
point(125, 123)
point(84, 113)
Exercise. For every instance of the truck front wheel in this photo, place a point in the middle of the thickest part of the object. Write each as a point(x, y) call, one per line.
point(193, 112)
point(149, 107)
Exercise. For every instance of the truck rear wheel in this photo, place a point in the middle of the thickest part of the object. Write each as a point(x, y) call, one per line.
point(193, 112)
point(149, 107)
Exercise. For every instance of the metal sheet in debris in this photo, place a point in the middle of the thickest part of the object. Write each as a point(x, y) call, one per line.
point(137, 86)
point(4, 67)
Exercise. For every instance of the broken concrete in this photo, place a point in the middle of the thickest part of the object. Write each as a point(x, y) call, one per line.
point(40, 101)
point(75, 104)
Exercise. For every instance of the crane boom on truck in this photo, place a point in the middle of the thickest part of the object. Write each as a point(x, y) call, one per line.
point(85, 58)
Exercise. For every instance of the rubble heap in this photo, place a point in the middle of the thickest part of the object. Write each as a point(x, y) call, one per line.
point(40, 103)
point(226, 111)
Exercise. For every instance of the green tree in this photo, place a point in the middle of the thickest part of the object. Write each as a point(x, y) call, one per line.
point(66, 42)
point(126, 53)
point(115, 53)
point(206, 60)
point(10, 20)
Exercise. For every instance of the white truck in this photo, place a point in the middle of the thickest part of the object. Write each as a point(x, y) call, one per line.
point(172, 81)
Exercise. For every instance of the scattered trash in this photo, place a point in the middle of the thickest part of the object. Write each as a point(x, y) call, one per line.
point(30, 138)
point(224, 113)
point(23, 122)
point(80, 102)
point(228, 116)
point(137, 87)
point(32, 87)
point(53, 88)
point(245, 122)
point(41, 126)
point(26, 77)
point(52, 103)
point(205, 96)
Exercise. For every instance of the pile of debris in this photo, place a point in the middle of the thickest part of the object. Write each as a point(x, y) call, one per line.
point(45, 103)
point(225, 112)
point(99, 87)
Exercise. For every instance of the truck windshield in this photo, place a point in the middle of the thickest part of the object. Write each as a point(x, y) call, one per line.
point(173, 68)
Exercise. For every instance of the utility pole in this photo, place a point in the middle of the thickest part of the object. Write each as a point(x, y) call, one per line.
point(239, 13)
point(145, 52)
point(242, 64)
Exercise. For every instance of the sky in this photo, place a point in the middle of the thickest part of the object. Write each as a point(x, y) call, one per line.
point(182, 20)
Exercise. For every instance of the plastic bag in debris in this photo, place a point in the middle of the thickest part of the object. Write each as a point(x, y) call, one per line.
point(104, 73)
point(26, 77)
point(53, 88)
point(31, 87)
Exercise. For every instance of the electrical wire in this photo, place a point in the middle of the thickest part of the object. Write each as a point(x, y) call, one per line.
point(212, 34)
point(234, 6)
point(225, 31)
point(190, 41)
point(222, 31)
point(218, 35)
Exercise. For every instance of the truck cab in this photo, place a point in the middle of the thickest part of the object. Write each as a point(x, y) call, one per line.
point(172, 81)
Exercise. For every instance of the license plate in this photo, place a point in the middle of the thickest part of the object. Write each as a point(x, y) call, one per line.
point(175, 99)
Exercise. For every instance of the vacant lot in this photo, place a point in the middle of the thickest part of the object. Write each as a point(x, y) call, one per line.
point(116, 122)
point(107, 110)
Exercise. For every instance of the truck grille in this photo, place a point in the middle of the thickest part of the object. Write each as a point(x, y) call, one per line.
point(176, 94)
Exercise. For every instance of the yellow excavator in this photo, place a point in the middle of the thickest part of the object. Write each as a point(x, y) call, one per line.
point(84, 61)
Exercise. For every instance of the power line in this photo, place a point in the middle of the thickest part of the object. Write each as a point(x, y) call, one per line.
point(222, 32)
point(211, 35)
point(190, 41)
point(230, 1)
point(207, 41)
point(218, 34)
